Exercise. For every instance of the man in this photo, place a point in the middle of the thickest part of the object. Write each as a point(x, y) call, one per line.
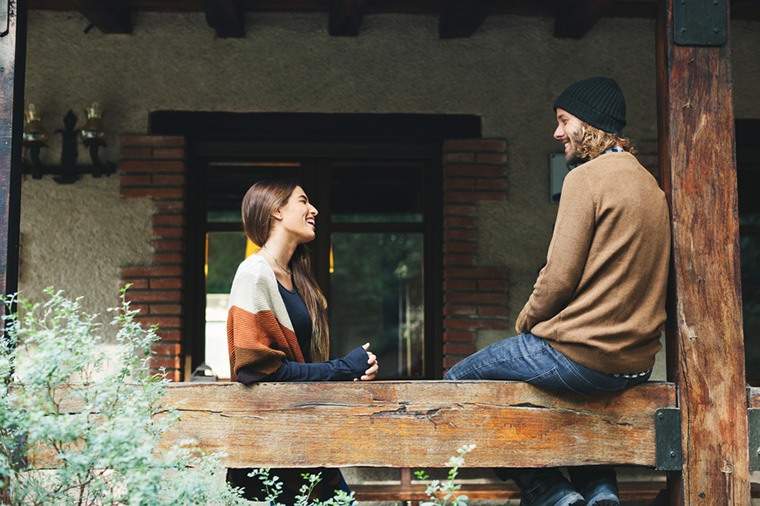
point(592, 324)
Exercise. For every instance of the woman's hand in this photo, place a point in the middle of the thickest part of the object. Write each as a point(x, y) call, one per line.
point(370, 373)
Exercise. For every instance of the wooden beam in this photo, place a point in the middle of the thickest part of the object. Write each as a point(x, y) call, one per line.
point(574, 18)
point(113, 16)
point(461, 18)
point(345, 17)
point(12, 70)
point(705, 341)
point(226, 17)
point(413, 424)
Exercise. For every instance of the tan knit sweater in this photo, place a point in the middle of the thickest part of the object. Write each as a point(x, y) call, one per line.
point(600, 298)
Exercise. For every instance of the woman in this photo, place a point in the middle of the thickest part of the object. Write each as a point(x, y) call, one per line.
point(277, 321)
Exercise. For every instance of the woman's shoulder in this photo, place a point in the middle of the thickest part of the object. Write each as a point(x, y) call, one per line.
point(254, 271)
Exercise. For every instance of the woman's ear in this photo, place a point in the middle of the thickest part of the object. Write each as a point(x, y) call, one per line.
point(277, 215)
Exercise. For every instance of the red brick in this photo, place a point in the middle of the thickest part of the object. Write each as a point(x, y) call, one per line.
point(456, 309)
point(170, 206)
point(474, 298)
point(156, 193)
point(459, 222)
point(151, 271)
point(164, 141)
point(493, 311)
point(143, 308)
point(155, 295)
point(450, 361)
point(492, 285)
point(169, 153)
point(136, 283)
point(449, 259)
point(167, 245)
point(481, 157)
point(163, 322)
point(168, 219)
point(459, 285)
point(167, 258)
point(131, 153)
point(152, 166)
point(454, 348)
point(491, 184)
point(168, 335)
point(173, 232)
point(459, 210)
point(134, 180)
point(167, 362)
point(463, 336)
point(474, 323)
point(172, 180)
point(459, 157)
point(166, 309)
point(472, 170)
point(460, 235)
point(475, 145)
point(459, 183)
point(159, 283)
point(475, 272)
point(167, 348)
point(460, 247)
point(463, 197)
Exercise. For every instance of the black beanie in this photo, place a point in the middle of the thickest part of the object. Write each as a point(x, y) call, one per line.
point(598, 101)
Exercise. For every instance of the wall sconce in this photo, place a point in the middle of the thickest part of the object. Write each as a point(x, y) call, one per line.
point(92, 135)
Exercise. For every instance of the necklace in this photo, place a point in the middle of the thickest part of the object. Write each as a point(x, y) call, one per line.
point(270, 255)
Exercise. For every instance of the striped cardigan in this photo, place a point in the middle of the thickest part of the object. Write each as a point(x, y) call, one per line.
point(259, 331)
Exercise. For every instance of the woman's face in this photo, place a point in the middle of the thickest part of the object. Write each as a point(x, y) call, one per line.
point(298, 217)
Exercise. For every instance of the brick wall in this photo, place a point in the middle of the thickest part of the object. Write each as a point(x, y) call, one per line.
point(475, 296)
point(154, 167)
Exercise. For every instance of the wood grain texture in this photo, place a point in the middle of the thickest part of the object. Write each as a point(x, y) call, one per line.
point(413, 424)
point(705, 340)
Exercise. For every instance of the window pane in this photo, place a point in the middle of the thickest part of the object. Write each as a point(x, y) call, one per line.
point(376, 295)
point(377, 191)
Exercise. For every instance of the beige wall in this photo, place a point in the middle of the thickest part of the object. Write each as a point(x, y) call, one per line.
point(508, 73)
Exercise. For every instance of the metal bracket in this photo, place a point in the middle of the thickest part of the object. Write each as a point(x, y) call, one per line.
point(700, 22)
point(667, 424)
point(754, 438)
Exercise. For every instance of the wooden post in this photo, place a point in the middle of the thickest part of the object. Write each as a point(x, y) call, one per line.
point(12, 58)
point(705, 341)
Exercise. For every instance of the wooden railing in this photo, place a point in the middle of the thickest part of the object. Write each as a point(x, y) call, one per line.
point(414, 424)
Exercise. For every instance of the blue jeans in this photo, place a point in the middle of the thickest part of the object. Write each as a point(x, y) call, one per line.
point(531, 359)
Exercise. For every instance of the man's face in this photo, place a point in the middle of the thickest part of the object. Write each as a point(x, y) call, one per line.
point(568, 132)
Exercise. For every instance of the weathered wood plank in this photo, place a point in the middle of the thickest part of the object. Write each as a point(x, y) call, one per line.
point(705, 341)
point(411, 424)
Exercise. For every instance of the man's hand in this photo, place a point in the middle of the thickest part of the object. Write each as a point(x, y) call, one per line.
point(370, 373)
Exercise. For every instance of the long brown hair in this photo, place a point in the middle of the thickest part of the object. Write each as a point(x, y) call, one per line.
point(259, 203)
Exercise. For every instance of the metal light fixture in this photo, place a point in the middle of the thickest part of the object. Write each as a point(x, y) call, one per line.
point(91, 134)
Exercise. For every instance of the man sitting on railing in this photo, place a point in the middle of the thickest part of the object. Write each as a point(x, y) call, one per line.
point(592, 324)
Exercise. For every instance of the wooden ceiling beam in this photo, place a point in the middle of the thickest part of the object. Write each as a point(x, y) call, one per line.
point(226, 17)
point(345, 17)
point(574, 18)
point(461, 18)
point(110, 17)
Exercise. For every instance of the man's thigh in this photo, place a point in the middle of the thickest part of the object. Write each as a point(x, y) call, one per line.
point(524, 358)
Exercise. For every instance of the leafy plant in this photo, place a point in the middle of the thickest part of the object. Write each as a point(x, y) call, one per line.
point(444, 493)
point(92, 410)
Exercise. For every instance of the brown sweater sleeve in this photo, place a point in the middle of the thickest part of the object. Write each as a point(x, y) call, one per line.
point(568, 251)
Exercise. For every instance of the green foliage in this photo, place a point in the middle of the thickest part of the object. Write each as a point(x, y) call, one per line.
point(95, 412)
point(444, 493)
point(273, 489)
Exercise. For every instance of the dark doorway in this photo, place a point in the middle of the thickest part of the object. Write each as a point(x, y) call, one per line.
point(377, 182)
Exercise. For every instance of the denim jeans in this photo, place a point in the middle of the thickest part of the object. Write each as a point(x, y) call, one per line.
point(531, 359)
